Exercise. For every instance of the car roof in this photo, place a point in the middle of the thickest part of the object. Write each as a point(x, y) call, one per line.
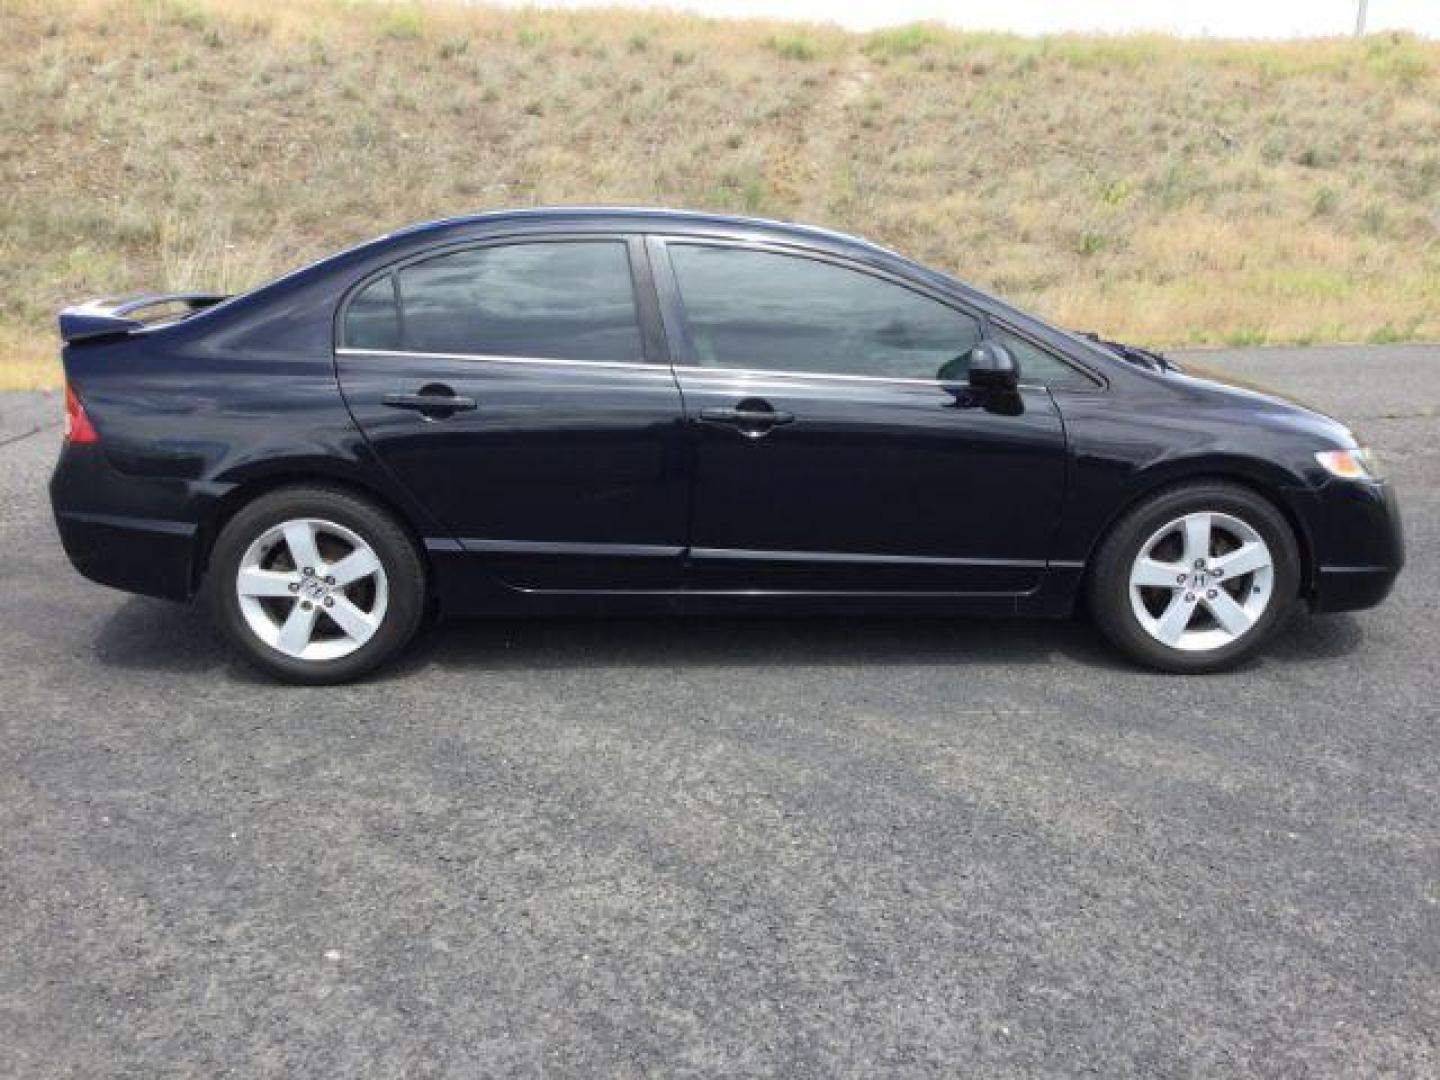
point(460, 229)
point(642, 219)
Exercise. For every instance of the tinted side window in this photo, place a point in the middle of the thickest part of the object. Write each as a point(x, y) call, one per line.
point(1038, 365)
point(557, 300)
point(768, 311)
point(371, 321)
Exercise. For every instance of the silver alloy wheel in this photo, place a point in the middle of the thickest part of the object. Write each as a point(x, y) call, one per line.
point(1201, 581)
point(312, 589)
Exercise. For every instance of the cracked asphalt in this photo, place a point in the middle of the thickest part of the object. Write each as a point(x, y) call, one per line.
point(806, 848)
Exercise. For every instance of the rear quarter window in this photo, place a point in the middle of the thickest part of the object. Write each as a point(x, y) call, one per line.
point(372, 321)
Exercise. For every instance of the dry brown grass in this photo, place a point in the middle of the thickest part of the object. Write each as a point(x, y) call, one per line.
point(1166, 191)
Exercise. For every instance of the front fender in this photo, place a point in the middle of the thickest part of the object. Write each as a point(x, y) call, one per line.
point(1122, 452)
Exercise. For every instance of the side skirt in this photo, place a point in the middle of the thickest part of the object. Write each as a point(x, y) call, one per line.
point(462, 588)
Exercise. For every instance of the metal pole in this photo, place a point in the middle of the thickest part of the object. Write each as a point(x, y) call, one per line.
point(1360, 18)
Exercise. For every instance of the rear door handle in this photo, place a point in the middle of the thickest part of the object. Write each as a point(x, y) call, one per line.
point(434, 400)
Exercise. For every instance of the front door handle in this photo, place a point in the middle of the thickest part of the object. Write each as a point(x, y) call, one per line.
point(435, 400)
point(745, 416)
point(753, 416)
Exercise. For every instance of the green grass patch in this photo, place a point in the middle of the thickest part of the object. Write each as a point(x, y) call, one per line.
point(793, 47)
point(403, 24)
point(901, 41)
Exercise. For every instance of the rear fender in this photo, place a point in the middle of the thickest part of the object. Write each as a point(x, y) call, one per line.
point(247, 482)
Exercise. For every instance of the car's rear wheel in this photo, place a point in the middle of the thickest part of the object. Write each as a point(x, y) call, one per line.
point(316, 585)
point(1196, 578)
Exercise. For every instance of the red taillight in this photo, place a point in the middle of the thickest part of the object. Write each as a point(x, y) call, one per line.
point(78, 428)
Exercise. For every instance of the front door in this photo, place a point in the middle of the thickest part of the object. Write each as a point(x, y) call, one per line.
point(831, 452)
point(506, 386)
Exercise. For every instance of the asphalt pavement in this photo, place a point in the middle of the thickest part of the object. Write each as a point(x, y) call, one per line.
point(788, 848)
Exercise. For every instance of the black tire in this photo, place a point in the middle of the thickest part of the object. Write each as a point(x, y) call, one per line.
point(1109, 579)
point(404, 571)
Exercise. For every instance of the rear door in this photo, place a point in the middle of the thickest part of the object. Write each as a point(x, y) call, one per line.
point(837, 445)
point(518, 389)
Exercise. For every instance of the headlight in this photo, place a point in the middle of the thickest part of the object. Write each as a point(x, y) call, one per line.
point(1355, 464)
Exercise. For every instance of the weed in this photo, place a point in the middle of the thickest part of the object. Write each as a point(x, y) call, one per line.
point(1396, 58)
point(1423, 180)
point(1245, 336)
point(1374, 220)
point(403, 24)
point(1317, 157)
point(901, 41)
point(1116, 193)
point(455, 46)
point(793, 47)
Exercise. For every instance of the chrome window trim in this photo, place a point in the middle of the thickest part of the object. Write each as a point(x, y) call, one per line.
point(548, 361)
point(762, 374)
point(678, 369)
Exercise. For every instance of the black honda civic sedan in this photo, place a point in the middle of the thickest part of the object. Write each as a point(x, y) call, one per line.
point(556, 411)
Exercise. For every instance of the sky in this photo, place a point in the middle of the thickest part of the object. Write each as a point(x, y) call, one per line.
point(1212, 18)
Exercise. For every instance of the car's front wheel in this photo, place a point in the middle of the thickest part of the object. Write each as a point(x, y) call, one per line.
point(316, 585)
point(1195, 579)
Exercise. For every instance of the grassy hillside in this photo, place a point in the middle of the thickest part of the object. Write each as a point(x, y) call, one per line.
point(1165, 191)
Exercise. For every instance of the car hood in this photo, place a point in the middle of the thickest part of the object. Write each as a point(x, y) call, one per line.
point(1205, 374)
point(1290, 411)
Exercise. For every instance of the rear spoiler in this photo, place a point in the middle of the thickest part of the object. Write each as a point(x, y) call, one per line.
point(102, 318)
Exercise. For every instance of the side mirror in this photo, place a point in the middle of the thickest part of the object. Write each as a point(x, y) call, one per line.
point(993, 368)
